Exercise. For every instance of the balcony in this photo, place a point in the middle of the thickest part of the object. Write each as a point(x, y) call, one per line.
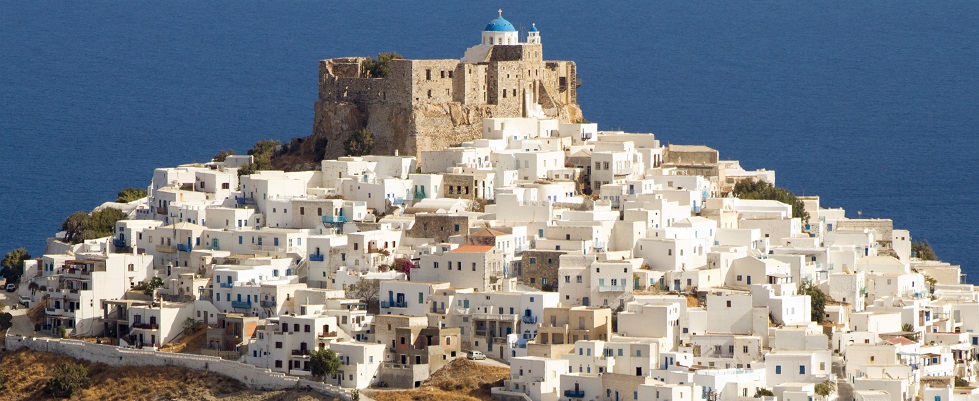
point(166, 249)
point(146, 326)
point(398, 201)
point(394, 304)
point(611, 288)
point(328, 335)
point(241, 304)
point(574, 393)
point(267, 304)
point(300, 352)
point(334, 219)
point(118, 243)
point(245, 200)
point(184, 248)
point(226, 285)
point(316, 257)
point(162, 210)
point(529, 319)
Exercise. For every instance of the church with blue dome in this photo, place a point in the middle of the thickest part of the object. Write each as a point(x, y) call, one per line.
point(421, 105)
point(499, 31)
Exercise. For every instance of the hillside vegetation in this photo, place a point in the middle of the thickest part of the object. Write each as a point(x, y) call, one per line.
point(25, 374)
point(460, 380)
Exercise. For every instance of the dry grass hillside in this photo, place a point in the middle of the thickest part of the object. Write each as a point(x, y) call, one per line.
point(27, 372)
point(460, 380)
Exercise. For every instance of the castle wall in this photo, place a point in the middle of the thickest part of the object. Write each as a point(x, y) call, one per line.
point(432, 104)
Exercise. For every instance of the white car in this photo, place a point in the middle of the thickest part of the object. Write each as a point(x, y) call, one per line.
point(11, 287)
point(475, 355)
point(24, 300)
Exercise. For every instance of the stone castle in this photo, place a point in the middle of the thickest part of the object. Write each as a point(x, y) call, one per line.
point(431, 104)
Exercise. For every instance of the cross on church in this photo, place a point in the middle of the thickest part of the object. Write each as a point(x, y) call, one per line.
point(501, 12)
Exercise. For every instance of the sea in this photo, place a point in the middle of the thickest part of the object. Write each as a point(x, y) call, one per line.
point(872, 105)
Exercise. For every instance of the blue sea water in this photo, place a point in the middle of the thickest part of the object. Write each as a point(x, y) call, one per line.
point(872, 105)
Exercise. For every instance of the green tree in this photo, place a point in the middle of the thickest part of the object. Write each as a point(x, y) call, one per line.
point(101, 223)
point(379, 67)
point(67, 379)
point(817, 299)
point(754, 189)
point(151, 285)
point(960, 382)
point(324, 363)
point(222, 155)
point(3, 381)
point(73, 226)
point(922, 249)
point(13, 264)
point(763, 392)
point(131, 194)
point(360, 143)
point(262, 154)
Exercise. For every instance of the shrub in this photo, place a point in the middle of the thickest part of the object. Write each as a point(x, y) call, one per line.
point(131, 194)
point(922, 249)
point(753, 189)
point(67, 379)
point(360, 143)
point(222, 155)
point(379, 67)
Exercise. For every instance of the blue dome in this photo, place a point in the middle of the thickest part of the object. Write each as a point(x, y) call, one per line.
point(533, 28)
point(500, 25)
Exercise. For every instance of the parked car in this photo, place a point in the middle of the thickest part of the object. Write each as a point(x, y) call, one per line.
point(475, 355)
point(11, 287)
point(26, 301)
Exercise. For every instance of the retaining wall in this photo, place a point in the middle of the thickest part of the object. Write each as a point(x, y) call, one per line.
point(254, 377)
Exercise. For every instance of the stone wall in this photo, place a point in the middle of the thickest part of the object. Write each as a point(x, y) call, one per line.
point(540, 265)
point(431, 104)
point(255, 378)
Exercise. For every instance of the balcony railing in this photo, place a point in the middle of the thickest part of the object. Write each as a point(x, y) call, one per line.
point(166, 249)
point(118, 243)
point(331, 334)
point(394, 304)
point(241, 304)
point(529, 319)
point(162, 210)
point(574, 393)
point(334, 219)
point(611, 288)
point(146, 326)
point(226, 285)
point(184, 248)
point(315, 257)
point(245, 200)
point(267, 304)
point(300, 352)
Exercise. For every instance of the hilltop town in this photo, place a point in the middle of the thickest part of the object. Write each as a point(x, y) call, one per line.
point(597, 265)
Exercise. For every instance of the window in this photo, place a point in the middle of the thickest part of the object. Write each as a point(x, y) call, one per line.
point(802, 369)
point(778, 369)
point(728, 304)
point(278, 344)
